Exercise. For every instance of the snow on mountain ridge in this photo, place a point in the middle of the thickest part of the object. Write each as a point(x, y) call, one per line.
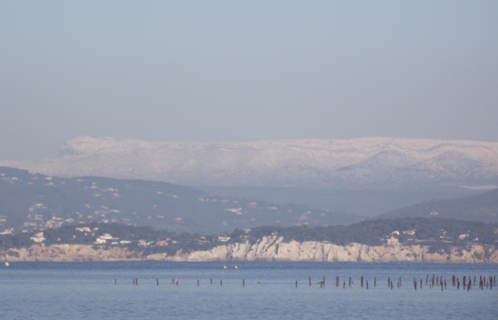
point(303, 162)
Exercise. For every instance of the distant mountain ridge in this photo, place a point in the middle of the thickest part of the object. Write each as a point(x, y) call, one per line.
point(317, 163)
point(481, 207)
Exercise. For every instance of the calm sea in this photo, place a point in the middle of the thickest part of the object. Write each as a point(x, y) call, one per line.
point(58, 290)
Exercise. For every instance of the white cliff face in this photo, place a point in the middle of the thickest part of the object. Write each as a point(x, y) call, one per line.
point(275, 249)
point(267, 249)
point(312, 162)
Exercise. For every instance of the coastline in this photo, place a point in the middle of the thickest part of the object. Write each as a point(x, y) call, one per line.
point(267, 249)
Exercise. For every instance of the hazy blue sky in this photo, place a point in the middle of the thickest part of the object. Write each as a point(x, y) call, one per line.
point(238, 71)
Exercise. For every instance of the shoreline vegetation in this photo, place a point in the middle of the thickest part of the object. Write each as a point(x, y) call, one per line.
point(383, 240)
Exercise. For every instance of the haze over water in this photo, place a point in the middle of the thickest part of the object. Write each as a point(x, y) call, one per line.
point(57, 290)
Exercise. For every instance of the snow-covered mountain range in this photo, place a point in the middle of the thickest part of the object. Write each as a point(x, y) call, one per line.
point(316, 163)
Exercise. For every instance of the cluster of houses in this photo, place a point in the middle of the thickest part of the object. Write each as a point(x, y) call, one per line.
point(413, 231)
point(108, 238)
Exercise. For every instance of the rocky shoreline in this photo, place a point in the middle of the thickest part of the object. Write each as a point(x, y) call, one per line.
point(267, 249)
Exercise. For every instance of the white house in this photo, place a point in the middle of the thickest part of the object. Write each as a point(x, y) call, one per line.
point(223, 239)
point(7, 231)
point(410, 232)
point(38, 237)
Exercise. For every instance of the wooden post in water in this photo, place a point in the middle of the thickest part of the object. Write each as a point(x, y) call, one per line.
point(388, 282)
point(336, 281)
point(415, 284)
point(361, 281)
point(350, 281)
point(173, 281)
point(469, 286)
point(136, 281)
point(474, 280)
point(244, 283)
point(309, 278)
point(445, 285)
point(344, 284)
point(296, 283)
point(367, 284)
point(197, 282)
point(211, 280)
point(400, 281)
point(458, 284)
point(420, 283)
point(133, 280)
point(157, 281)
point(375, 282)
point(324, 281)
point(464, 282)
point(426, 279)
point(221, 283)
point(115, 281)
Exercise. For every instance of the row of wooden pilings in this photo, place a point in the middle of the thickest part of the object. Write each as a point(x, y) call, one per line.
point(175, 282)
point(431, 282)
point(437, 281)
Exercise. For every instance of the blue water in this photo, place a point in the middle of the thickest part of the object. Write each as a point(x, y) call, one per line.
point(57, 290)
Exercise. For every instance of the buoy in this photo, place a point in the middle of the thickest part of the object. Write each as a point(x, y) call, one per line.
point(6, 264)
point(235, 267)
point(225, 267)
